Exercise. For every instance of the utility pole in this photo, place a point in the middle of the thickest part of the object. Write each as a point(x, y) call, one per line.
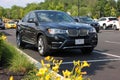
point(78, 8)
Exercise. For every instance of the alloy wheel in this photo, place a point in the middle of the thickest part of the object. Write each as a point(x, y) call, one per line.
point(40, 46)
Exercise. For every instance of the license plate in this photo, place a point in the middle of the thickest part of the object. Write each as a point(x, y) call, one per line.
point(79, 41)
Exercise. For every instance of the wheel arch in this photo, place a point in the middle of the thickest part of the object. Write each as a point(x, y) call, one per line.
point(104, 24)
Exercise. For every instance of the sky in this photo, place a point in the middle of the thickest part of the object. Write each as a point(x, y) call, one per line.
point(23, 3)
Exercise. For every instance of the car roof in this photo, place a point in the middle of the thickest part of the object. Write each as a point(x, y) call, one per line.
point(108, 17)
point(45, 11)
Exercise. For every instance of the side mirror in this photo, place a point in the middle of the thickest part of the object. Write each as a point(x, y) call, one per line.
point(76, 20)
point(32, 20)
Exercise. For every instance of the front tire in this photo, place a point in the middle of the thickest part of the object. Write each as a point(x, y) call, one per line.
point(114, 27)
point(19, 41)
point(87, 50)
point(43, 48)
point(104, 26)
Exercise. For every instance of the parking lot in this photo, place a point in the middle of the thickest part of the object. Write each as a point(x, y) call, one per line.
point(104, 60)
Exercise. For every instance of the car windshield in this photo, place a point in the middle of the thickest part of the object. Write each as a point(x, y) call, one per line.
point(11, 22)
point(54, 17)
point(87, 19)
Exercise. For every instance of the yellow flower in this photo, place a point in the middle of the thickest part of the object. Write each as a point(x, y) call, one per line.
point(76, 63)
point(60, 62)
point(47, 77)
point(47, 58)
point(3, 37)
point(55, 68)
point(48, 65)
point(83, 73)
point(42, 62)
point(67, 79)
point(11, 78)
point(66, 73)
point(85, 64)
point(58, 78)
point(77, 70)
point(79, 78)
point(42, 71)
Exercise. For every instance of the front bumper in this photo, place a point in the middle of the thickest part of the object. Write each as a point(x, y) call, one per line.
point(11, 26)
point(66, 42)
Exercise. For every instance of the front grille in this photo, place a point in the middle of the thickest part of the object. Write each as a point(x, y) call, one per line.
point(77, 32)
point(83, 32)
point(73, 32)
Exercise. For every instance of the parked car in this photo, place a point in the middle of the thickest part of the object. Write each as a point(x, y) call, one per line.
point(106, 22)
point(10, 24)
point(89, 21)
point(55, 30)
point(116, 25)
point(2, 25)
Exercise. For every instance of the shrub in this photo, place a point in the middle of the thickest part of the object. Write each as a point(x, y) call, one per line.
point(2, 38)
point(12, 58)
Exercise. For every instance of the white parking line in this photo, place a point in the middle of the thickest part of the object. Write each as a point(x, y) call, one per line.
point(108, 54)
point(101, 60)
point(92, 61)
point(112, 42)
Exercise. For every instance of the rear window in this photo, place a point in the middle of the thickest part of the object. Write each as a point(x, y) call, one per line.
point(113, 19)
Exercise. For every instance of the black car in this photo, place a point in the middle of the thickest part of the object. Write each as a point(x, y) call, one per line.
point(89, 21)
point(55, 30)
point(2, 25)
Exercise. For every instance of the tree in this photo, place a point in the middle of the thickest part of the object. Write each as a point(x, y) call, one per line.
point(1, 11)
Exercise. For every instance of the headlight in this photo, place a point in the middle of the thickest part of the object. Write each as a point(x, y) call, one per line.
point(56, 31)
point(92, 30)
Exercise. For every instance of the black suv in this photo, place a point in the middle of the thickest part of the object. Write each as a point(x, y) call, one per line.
point(2, 25)
point(55, 30)
point(89, 21)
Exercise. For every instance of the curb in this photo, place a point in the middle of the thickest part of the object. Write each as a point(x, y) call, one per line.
point(37, 64)
point(32, 60)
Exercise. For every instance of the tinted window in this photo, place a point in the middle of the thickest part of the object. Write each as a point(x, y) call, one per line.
point(113, 19)
point(32, 15)
point(102, 19)
point(25, 19)
point(11, 22)
point(54, 17)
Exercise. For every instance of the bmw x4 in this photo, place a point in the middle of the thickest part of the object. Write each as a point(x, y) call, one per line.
point(55, 30)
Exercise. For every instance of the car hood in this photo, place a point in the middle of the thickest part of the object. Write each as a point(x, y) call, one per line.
point(65, 25)
point(91, 22)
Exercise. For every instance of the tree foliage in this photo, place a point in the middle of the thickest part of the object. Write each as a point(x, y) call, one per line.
point(93, 8)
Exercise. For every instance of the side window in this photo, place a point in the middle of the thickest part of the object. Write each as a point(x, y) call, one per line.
point(102, 19)
point(25, 19)
point(32, 15)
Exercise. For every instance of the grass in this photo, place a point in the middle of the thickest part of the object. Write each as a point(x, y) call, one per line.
point(13, 60)
point(31, 75)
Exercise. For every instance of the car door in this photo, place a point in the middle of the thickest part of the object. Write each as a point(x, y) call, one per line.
point(23, 27)
point(101, 21)
point(31, 28)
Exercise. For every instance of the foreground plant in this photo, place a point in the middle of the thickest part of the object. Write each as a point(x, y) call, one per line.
point(2, 39)
point(45, 72)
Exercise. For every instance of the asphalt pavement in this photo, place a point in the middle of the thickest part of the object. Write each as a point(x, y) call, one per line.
point(104, 60)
